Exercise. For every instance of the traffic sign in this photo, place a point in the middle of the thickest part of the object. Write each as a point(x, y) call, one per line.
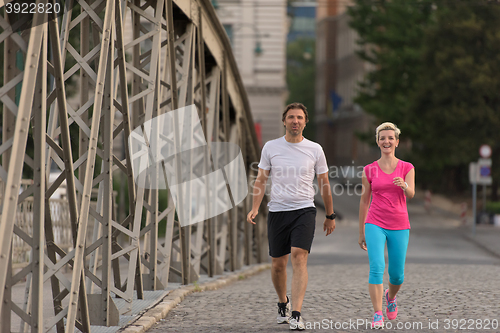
point(480, 172)
point(485, 151)
point(484, 171)
point(472, 172)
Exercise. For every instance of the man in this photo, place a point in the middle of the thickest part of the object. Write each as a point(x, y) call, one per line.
point(292, 161)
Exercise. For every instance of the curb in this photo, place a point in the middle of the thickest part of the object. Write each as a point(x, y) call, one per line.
point(160, 310)
point(482, 246)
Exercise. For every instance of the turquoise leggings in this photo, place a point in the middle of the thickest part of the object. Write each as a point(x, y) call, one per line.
point(397, 243)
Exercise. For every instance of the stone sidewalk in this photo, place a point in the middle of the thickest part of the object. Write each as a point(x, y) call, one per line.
point(437, 297)
point(486, 236)
point(337, 300)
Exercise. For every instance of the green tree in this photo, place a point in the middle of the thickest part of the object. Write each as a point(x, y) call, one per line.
point(456, 105)
point(391, 38)
point(436, 75)
point(300, 77)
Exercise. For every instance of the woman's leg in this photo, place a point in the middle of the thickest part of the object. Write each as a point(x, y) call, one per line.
point(375, 242)
point(397, 245)
point(393, 290)
point(376, 295)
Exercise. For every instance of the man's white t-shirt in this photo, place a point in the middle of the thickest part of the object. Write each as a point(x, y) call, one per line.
point(292, 166)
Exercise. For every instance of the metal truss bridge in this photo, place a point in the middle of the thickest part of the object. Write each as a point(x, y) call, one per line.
point(73, 217)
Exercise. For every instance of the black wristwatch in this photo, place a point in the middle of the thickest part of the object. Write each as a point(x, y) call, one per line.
point(331, 217)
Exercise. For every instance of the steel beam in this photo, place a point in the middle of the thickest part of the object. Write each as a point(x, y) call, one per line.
point(8, 127)
point(10, 197)
point(104, 61)
point(68, 156)
point(126, 115)
point(37, 254)
point(168, 70)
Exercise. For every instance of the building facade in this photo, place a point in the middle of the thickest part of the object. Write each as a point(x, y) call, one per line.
point(302, 17)
point(339, 71)
point(258, 30)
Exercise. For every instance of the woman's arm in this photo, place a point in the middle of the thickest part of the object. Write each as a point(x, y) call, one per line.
point(364, 204)
point(410, 180)
point(407, 184)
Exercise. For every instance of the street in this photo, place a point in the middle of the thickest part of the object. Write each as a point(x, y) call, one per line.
point(450, 285)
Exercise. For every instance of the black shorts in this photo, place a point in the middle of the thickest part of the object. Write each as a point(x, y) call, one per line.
point(290, 228)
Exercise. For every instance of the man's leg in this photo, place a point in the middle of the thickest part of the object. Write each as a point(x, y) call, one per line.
point(299, 277)
point(278, 275)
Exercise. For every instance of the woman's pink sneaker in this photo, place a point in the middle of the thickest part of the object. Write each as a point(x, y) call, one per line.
point(392, 307)
point(378, 320)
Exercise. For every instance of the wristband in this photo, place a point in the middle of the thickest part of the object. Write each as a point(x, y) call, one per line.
point(331, 217)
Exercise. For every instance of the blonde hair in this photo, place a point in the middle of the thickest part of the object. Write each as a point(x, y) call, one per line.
point(387, 126)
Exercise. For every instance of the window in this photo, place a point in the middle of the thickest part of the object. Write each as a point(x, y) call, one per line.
point(304, 24)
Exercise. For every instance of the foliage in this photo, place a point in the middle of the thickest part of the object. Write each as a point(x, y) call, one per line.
point(391, 37)
point(436, 75)
point(300, 77)
point(122, 200)
point(493, 207)
point(456, 106)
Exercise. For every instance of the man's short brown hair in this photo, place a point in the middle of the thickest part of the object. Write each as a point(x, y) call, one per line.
point(295, 106)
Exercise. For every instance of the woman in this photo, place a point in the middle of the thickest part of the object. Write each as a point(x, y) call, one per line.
point(388, 181)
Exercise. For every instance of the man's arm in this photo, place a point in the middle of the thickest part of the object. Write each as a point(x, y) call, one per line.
point(259, 189)
point(326, 195)
point(326, 192)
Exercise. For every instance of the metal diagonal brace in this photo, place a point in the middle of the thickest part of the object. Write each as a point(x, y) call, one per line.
point(68, 158)
point(10, 197)
point(104, 61)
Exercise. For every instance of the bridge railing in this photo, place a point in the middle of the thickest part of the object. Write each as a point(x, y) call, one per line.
point(74, 88)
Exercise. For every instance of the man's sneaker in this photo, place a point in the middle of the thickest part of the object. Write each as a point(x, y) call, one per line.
point(297, 324)
point(284, 312)
point(392, 307)
point(378, 320)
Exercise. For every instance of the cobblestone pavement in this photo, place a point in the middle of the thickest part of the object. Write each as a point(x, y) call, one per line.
point(337, 295)
point(450, 285)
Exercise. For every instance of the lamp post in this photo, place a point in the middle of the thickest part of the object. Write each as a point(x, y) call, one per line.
point(258, 48)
